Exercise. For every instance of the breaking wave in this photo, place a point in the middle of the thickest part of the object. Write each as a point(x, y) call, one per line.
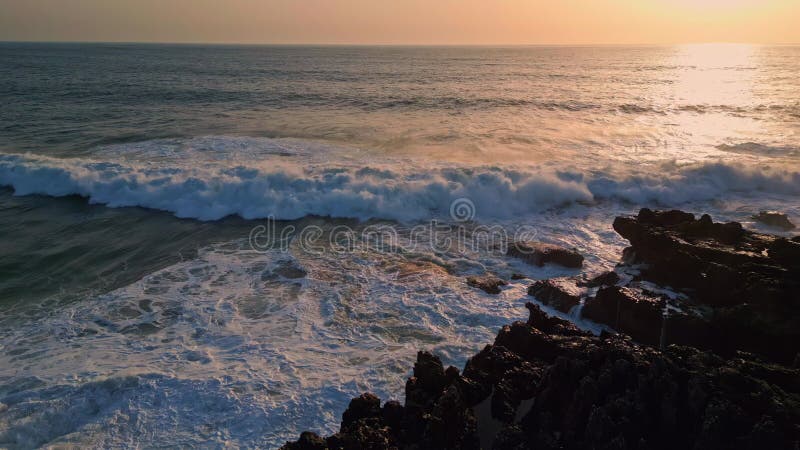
point(290, 189)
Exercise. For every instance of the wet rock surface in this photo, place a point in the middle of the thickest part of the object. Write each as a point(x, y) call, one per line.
point(710, 363)
point(604, 279)
point(487, 283)
point(633, 311)
point(774, 219)
point(749, 283)
point(560, 293)
point(539, 254)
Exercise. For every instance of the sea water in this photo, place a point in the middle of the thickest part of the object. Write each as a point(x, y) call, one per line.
point(186, 232)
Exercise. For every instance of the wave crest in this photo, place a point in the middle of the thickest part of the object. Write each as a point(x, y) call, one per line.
point(290, 190)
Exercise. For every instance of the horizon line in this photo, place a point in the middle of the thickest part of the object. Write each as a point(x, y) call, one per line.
point(378, 44)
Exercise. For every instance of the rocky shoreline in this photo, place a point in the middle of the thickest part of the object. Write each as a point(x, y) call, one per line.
point(706, 355)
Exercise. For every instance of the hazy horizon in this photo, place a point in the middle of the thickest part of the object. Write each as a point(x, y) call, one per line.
point(380, 44)
point(407, 22)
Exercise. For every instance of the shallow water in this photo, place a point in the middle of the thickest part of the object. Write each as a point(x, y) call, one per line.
point(136, 308)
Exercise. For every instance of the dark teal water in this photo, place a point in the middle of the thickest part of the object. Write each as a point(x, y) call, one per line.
point(66, 249)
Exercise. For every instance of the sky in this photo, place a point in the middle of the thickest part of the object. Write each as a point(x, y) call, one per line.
point(412, 22)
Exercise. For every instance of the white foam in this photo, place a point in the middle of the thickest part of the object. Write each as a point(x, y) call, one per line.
point(237, 348)
point(288, 184)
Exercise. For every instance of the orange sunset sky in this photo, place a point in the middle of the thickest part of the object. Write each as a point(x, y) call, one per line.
point(403, 21)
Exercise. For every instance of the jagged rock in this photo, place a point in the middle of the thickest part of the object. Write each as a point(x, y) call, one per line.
point(427, 383)
point(693, 254)
point(307, 441)
point(556, 391)
point(645, 318)
point(604, 279)
point(367, 406)
point(586, 392)
point(527, 341)
point(786, 253)
point(539, 254)
point(546, 384)
point(518, 276)
point(750, 281)
point(688, 328)
point(628, 310)
point(487, 283)
point(560, 293)
point(551, 325)
point(392, 414)
point(451, 423)
point(775, 219)
point(366, 435)
point(429, 370)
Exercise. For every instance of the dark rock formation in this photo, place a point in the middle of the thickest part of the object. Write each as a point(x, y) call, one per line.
point(560, 293)
point(365, 407)
point(604, 279)
point(628, 310)
point(721, 371)
point(645, 317)
point(749, 281)
point(545, 384)
point(539, 254)
point(307, 441)
point(551, 325)
point(487, 283)
point(775, 219)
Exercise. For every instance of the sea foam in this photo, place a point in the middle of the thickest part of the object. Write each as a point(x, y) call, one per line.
point(290, 189)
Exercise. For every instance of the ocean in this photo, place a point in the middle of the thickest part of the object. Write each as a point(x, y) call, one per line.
point(219, 246)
